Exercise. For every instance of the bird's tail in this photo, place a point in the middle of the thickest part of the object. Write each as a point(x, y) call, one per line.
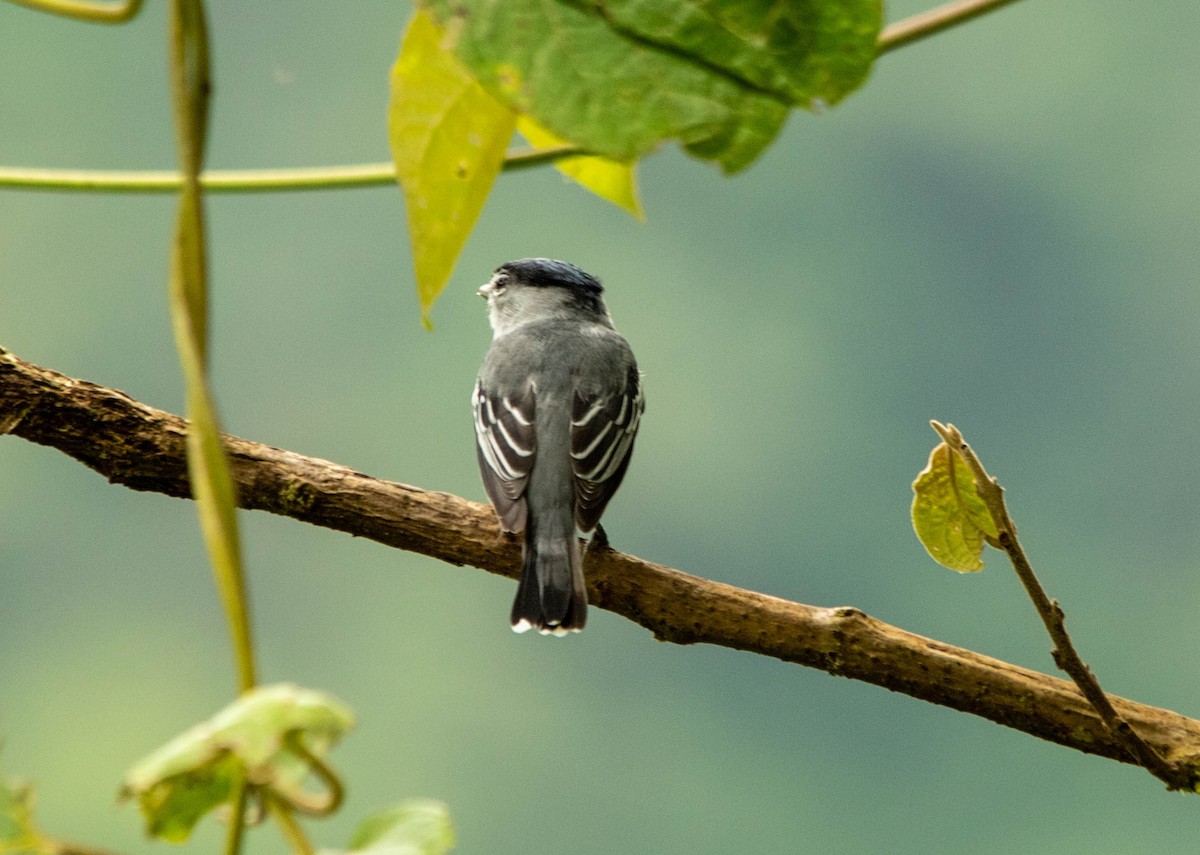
point(552, 596)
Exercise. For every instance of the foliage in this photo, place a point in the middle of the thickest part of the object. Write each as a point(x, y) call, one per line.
point(271, 737)
point(414, 827)
point(448, 138)
point(617, 79)
point(18, 833)
point(949, 517)
point(600, 84)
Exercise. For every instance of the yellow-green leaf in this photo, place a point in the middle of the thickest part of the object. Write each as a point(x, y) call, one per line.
point(448, 138)
point(414, 827)
point(18, 833)
point(949, 517)
point(609, 179)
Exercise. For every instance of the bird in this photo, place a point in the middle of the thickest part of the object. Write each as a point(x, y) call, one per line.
point(557, 406)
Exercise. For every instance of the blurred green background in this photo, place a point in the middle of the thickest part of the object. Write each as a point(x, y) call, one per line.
point(1002, 230)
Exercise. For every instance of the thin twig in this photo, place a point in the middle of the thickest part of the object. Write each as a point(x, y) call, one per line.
point(1068, 659)
point(1175, 776)
point(925, 24)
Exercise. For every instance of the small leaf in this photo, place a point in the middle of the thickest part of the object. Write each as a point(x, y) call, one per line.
point(609, 179)
point(414, 827)
point(949, 517)
point(448, 138)
point(198, 770)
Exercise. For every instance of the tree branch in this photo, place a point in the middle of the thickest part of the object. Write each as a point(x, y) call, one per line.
point(934, 21)
point(142, 448)
point(1065, 655)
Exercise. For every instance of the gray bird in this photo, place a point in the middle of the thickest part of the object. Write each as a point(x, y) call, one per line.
point(557, 405)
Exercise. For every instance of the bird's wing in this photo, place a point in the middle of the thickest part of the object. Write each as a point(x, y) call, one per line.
point(505, 440)
point(603, 427)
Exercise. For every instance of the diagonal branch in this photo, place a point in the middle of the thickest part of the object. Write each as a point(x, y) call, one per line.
point(1053, 618)
point(142, 448)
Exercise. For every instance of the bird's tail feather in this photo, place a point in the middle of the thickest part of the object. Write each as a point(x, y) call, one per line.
point(551, 596)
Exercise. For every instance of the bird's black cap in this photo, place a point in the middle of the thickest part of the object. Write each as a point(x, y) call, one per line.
point(546, 272)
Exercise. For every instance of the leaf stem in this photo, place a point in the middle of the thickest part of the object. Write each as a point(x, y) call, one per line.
point(303, 803)
point(291, 829)
point(210, 478)
point(1175, 776)
point(237, 818)
point(85, 10)
point(244, 180)
point(925, 24)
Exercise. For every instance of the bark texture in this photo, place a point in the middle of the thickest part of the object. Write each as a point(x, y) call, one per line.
point(142, 448)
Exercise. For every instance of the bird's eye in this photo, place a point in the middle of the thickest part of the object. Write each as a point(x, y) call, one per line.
point(499, 283)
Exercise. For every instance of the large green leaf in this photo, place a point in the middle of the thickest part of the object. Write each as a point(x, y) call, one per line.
point(809, 52)
point(448, 137)
point(620, 77)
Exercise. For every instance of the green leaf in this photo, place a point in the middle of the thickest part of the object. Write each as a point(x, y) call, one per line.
point(198, 770)
point(18, 834)
point(609, 179)
point(448, 137)
point(621, 77)
point(414, 827)
point(807, 52)
point(949, 517)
